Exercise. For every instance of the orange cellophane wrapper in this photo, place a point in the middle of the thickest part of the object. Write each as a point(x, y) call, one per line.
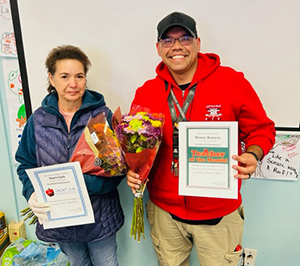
point(98, 150)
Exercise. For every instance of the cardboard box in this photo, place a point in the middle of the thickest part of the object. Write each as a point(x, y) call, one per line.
point(16, 230)
point(4, 242)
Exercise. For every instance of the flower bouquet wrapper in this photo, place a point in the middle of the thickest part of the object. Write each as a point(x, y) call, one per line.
point(141, 162)
point(98, 150)
point(140, 134)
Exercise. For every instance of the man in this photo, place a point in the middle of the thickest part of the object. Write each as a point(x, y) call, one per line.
point(211, 92)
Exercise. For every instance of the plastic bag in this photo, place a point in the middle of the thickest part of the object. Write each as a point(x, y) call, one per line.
point(30, 253)
point(98, 150)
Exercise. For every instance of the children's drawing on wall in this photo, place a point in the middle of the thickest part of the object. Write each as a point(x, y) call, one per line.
point(8, 44)
point(283, 160)
point(7, 36)
point(15, 86)
point(14, 95)
point(10, 76)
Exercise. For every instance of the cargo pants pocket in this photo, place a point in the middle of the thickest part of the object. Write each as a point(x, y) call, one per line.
point(234, 257)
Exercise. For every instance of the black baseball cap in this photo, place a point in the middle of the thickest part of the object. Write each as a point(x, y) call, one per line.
point(176, 19)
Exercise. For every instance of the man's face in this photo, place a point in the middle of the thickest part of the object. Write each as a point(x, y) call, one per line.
point(180, 59)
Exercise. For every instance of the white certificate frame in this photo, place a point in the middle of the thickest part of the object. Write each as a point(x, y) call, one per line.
point(205, 159)
point(70, 202)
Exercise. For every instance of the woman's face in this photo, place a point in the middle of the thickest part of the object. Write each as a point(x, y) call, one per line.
point(69, 81)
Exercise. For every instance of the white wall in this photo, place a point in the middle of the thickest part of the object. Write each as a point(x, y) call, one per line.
point(259, 37)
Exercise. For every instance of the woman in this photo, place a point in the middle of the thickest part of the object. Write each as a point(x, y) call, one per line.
point(50, 137)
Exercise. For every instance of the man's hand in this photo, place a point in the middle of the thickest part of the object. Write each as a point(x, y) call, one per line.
point(40, 209)
point(247, 165)
point(248, 162)
point(133, 180)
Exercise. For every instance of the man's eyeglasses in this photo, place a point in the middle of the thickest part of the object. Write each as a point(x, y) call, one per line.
point(169, 42)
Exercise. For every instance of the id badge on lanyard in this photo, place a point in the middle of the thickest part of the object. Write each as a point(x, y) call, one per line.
point(175, 120)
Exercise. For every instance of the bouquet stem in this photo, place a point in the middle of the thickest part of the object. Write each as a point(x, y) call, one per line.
point(29, 214)
point(137, 223)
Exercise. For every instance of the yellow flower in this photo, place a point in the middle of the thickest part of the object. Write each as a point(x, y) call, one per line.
point(135, 124)
point(156, 123)
point(139, 149)
point(113, 172)
point(143, 138)
point(146, 118)
point(133, 138)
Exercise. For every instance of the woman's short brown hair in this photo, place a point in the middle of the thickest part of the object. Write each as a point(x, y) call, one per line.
point(65, 52)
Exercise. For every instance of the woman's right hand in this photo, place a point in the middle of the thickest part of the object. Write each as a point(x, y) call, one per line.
point(39, 208)
point(133, 180)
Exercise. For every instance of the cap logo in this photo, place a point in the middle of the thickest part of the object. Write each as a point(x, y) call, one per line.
point(175, 18)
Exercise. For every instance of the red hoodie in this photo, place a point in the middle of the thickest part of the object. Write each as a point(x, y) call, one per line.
point(222, 94)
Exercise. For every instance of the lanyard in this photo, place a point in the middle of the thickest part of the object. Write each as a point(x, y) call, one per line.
point(175, 120)
point(182, 111)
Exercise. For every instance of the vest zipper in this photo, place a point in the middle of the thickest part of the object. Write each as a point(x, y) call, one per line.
point(69, 139)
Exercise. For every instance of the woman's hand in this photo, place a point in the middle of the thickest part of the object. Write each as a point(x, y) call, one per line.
point(40, 209)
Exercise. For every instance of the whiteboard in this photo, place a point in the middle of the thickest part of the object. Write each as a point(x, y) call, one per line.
point(260, 38)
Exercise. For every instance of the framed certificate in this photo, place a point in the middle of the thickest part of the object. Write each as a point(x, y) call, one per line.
point(205, 159)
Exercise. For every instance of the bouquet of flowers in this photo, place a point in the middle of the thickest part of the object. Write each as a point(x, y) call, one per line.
point(140, 134)
point(98, 150)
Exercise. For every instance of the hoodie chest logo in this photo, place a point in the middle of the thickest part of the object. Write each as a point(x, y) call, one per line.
point(213, 112)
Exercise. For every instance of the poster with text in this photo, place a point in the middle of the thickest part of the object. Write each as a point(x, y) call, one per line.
point(283, 160)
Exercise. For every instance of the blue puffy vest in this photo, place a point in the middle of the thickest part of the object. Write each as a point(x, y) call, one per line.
point(54, 144)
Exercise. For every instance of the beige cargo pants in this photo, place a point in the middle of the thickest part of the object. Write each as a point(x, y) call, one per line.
point(215, 244)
